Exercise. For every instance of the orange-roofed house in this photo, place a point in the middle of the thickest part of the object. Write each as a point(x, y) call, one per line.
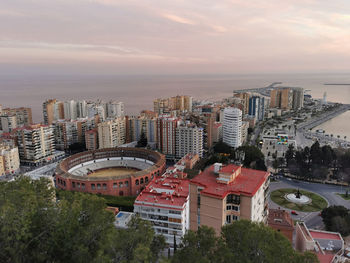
point(222, 194)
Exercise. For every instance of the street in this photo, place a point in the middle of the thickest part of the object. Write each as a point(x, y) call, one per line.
point(328, 192)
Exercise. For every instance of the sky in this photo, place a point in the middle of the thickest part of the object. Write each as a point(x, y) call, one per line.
point(174, 36)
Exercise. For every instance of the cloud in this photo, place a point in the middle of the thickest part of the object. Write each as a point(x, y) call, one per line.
point(178, 19)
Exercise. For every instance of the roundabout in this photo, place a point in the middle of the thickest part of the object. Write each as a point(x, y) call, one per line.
point(299, 200)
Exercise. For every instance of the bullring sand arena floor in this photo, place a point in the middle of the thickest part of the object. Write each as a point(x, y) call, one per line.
point(114, 171)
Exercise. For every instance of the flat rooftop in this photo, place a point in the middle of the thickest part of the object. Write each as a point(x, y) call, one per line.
point(167, 190)
point(246, 183)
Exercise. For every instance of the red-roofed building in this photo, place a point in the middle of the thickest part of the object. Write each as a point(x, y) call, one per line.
point(281, 221)
point(222, 194)
point(165, 203)
point(328, 246)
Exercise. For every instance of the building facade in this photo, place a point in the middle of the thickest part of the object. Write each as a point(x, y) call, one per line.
point(36, 143)
point(166, 135)
point(222, 194)
point(23, 115)
point(189, 139)
point(111, 133)
point(9, 159)
point(142, 124)
point(232, 127)
point(165, 203)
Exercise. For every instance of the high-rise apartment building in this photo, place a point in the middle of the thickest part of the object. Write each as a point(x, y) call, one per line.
point(298, 98)
point(70, 110)
point(115, 109)
point(244, 96)
point(166, 134)
point(189, 139)
point(68, 132)
point(232, 125)
point(111, 133)
point(281, 98)
point(52, 110)
point(257, 107)
point(221, 195)
point(177, 103)
point(9, 159)
point(8, 122)
point(36, 143)
point(91, 139)
point(142, 124)
point(23, 115)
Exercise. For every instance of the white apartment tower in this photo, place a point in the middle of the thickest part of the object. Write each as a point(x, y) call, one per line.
point(232, 125)
point(189, 139)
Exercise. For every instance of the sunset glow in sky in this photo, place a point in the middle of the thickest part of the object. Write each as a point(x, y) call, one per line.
point(174, 36)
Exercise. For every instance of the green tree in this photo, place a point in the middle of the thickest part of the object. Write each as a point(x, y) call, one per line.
point(142, 142)
point(222, 147)
point(290, 153)
point(197, 247)
point(137, 243)
point(241, 241)
point(254, 158)
point(35, 228)
point(337, 219)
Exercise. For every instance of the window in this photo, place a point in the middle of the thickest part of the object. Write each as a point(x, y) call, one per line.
point(126, 183)
point(120, 184)
point(92, 186)
point(98, 186)
point(73, 184)
point(235, 208)
point(228, 219)
point(141, 181)
point(228, 207)
point(104, 186)
point(64, 183)
point(146, 179)
point(235, 217)
point(121, 193)
point(83, 186)
point(78, 185)
point(115, 185)
point(137, 182)
point(233, 199)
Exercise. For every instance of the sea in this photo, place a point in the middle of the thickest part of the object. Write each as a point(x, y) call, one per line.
point(138, 91)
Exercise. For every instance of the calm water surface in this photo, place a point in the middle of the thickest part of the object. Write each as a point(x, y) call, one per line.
point(138, 92)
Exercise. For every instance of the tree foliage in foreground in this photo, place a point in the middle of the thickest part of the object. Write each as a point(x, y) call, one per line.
point(242, 241)
point(77, 228)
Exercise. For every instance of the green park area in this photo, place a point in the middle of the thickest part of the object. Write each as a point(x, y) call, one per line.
point(345, 196)
point(317, 203)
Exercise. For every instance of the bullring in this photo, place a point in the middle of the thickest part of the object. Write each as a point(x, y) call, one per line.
point(111, 171)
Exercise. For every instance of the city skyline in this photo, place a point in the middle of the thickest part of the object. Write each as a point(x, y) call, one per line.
point(166, 37)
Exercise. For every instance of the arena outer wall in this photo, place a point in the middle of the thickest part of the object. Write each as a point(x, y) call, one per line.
point(126, 185)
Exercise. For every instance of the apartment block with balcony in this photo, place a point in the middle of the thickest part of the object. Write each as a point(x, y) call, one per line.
point(111, 133)
point(9, 159)
point(189, 139)
point(36, 143)
point(222, 194)
point(165, 203)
